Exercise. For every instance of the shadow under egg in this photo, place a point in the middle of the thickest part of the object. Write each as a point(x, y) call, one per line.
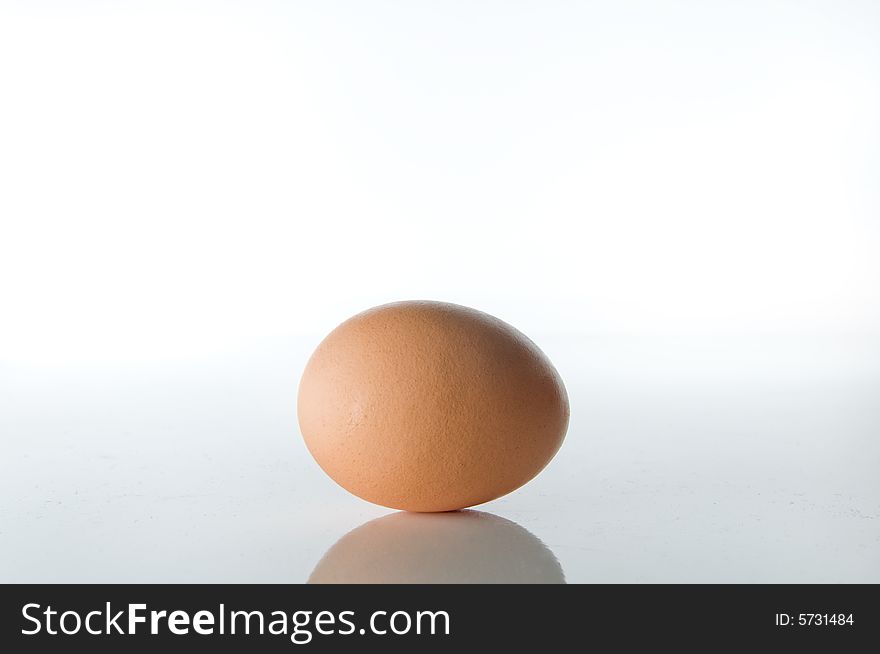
point(460, 547)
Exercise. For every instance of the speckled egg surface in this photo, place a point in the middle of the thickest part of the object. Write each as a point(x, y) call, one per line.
point(429, 406)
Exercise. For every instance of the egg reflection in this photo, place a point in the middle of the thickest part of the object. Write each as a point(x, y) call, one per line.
point(467, 547)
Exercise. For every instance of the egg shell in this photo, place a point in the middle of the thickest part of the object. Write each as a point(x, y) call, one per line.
point(430, 406)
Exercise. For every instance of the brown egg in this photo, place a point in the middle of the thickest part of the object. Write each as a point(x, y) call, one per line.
point(428, 406)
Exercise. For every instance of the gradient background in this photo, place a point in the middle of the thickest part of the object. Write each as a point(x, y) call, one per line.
point(677, 200)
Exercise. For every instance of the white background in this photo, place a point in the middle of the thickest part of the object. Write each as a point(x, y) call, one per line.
point(677, 200)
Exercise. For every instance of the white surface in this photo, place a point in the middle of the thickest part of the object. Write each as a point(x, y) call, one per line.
point(735, 460)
